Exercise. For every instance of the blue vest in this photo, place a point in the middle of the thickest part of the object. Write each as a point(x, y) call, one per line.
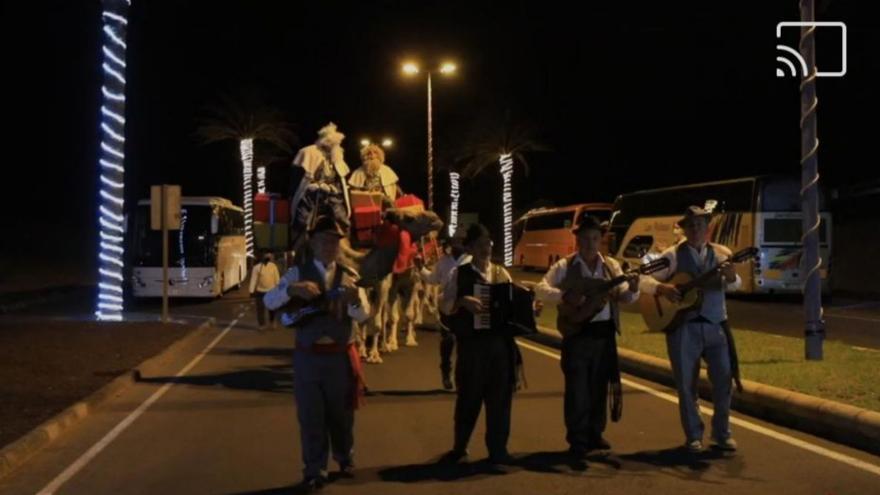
point(714, 307)
point(337, 327)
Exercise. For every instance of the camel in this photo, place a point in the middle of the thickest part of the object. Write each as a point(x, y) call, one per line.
point(376, 267)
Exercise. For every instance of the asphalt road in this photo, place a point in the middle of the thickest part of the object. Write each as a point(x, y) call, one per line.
point(221, 419)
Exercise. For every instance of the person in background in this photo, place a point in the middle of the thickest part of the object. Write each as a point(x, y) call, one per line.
point(264, 277)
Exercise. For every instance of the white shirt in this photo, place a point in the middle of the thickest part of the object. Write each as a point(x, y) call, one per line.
point(264, 277)
point(278, 297)
point(443, 270)
point(648, 284)
point(450, 288)
point(548, 290)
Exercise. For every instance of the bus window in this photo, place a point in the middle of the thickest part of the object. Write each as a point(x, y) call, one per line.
point(552, 221)
point(789, 231)
point(638, 246)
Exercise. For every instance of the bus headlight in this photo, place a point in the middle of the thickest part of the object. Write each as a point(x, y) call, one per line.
point(207, 281)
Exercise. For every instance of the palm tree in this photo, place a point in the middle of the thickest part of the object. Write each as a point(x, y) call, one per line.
point(111, 165)
point(246, 119)
point(507, 145)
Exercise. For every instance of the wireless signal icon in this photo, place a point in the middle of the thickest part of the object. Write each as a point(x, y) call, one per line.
point(794, 64)
point(802, 64)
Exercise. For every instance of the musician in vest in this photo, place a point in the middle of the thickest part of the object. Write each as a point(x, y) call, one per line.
point(327, 379)
point(702, 331)
point(454, 255)
point(488, 366)
point(589, 350)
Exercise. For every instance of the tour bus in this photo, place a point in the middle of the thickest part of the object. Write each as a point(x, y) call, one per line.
point(543, 235)
point(762, 211)
point(206, 257)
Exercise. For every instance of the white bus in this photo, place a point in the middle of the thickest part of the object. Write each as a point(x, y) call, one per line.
point(206, 257)
point(763, 211)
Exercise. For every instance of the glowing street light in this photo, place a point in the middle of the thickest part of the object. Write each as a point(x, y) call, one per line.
point(365, 142)
point(387, 143)
point(447, 69)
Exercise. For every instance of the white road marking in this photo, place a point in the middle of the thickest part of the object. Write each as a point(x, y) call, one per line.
point(96, 449)
point(782, 437)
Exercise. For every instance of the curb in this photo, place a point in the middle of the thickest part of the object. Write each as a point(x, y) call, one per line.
point(843, 423)
point(19, 451)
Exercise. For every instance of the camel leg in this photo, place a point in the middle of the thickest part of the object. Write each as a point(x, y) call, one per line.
point(373, 357)
point(410, 312)
point(393, 321)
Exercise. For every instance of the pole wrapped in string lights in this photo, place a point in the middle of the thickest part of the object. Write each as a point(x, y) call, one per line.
point(247, 161)
point(506, 162)
point(111, 170)
point(454, 195)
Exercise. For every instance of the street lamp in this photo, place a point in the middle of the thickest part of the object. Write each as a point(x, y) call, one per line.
point(411, 69)
point(385, 143)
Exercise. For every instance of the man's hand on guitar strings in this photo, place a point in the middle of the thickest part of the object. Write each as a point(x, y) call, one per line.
point(669, 291)
point(573, 299)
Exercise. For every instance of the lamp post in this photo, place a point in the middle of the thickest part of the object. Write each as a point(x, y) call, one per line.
point(411, 69)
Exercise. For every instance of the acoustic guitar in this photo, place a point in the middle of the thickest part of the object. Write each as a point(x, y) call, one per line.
point(298, 312)
point(661, 314)
point(596, 292)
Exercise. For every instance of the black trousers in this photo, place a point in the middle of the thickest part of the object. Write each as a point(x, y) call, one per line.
point(587, 360)
point(261, 309)
point(447, 346)
point(484, 375)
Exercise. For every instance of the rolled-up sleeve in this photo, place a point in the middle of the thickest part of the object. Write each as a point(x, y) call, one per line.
point(547, 290)
point(361, 311)
point(278, 297)
point(624, 296)
point(648, 283)
point(449, 293)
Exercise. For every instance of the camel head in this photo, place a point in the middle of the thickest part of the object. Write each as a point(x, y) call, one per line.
point(418, 224)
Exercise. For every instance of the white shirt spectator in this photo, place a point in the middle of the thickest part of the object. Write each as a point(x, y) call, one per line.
point(264, 277)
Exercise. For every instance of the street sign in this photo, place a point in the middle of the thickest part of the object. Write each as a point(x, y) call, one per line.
point(172, 207)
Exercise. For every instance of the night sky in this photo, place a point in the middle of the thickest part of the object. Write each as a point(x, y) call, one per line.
point(627, 94)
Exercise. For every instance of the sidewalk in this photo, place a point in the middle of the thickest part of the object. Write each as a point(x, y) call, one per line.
point(49, 365)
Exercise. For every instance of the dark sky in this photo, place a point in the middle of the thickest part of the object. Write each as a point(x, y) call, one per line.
point(627, 94)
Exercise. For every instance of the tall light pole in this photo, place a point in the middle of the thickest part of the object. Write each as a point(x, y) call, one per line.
point(814, 329)
point(446, 69)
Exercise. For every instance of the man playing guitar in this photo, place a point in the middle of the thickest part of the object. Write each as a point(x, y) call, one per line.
point(701, 332)
point(589, 350)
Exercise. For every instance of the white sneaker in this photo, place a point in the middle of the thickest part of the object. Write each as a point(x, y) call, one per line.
point(727, 445)
point(694, 447)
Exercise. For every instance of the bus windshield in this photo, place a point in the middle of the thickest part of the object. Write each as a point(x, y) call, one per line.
point(191, 246)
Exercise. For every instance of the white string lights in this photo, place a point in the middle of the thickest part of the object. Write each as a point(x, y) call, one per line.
point(261, 180)
point(506, 162)
point(247, 160)
point(454, 195)
point(111, 169)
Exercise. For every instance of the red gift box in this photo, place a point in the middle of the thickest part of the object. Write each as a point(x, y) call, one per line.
point(269, 208)
point(410, 202)
point(366, 219)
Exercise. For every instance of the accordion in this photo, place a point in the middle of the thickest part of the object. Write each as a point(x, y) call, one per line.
point(511, 309)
